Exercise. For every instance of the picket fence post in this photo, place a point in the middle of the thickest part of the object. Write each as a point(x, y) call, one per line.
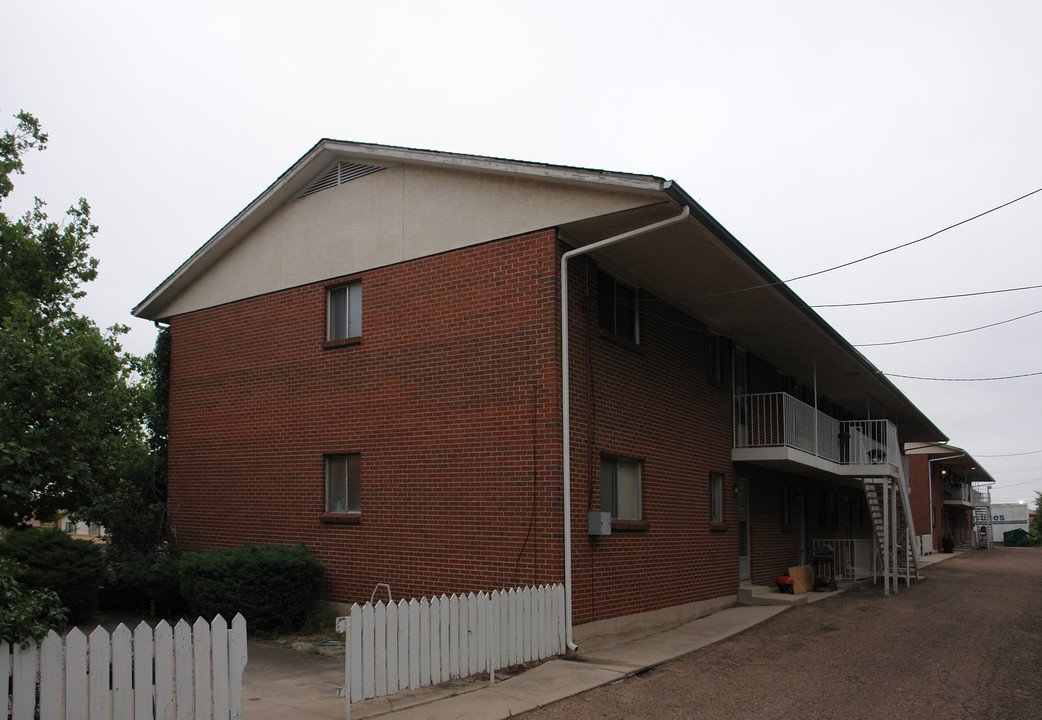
point(129, 675)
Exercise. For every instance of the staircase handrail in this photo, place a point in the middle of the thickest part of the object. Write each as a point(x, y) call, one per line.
point(902, 484)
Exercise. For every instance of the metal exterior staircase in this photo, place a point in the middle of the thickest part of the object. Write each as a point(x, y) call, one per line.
point(876, 496)
point(982, 519)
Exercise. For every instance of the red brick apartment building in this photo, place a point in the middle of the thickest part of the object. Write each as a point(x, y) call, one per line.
point(368, 359)
point(951, 495)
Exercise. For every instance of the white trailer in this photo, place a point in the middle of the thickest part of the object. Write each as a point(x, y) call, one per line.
point(1008, 516)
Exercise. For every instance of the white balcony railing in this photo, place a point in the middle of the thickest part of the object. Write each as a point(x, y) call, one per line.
point(779, 420)
point(967, 493)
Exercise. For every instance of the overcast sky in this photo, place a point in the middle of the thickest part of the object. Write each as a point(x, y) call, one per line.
point(816, 132)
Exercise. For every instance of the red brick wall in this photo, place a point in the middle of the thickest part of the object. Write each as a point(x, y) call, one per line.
point(652, 402)
point(919, 494)
point(830, 511)
point(451, 398)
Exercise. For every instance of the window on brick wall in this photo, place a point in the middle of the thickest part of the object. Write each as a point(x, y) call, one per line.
point(716, 358)
point(716, 497)
point(620, 487)
point(617, 307)
point(343, 484)
point(344, 311)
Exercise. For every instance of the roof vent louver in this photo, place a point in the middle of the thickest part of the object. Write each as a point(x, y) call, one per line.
point(342, 172)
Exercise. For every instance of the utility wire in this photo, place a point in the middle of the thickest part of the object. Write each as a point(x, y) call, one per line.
point(924, 299)
point(958, 332)
point(855, 304)
point(1033, 452)
point(986, 379)
point(877, 254)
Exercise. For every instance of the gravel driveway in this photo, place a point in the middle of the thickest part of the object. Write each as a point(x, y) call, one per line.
point(965, 642)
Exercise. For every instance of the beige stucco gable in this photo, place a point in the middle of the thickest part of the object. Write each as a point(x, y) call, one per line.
point(400, 213)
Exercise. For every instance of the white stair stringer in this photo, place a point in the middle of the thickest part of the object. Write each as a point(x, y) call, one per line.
point(910, 551)
point(982, 519)
point(875, 498)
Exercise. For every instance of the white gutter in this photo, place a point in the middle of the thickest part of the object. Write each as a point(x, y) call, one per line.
point(565, 406)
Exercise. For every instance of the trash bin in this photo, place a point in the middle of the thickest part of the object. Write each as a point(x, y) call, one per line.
point(947, 543)
point(824, 562)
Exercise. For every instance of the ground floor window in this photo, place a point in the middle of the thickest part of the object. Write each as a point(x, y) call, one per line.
point(343, 484)
point(716, 497)
point(620, 487)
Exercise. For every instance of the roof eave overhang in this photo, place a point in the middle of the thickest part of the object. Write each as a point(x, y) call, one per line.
point(695, 265)
point(945, 454)
point(932, 432)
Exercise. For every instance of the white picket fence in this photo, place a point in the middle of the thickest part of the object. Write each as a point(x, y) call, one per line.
point(392, 647)
point(180, 673)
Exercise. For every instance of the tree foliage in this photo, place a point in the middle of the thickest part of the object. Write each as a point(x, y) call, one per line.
point(74, 569)
point(133, 510)
point(26, 613)
point(70, 406)
point(1035, 528)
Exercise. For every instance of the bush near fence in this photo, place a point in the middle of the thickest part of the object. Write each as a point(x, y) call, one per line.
point(74, 569)
point(276, 587)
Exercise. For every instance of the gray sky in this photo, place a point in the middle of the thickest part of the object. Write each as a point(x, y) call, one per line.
point(816, 132)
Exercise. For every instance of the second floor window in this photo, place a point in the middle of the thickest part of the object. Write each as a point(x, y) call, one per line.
point(617, 307)
point(344, 311)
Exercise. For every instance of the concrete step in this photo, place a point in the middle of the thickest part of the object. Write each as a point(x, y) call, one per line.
point(763, 595)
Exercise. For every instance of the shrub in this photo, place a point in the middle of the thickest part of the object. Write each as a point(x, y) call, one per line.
point(147, 585)
point(74, 569)
point(26, 613)
point(275, 588)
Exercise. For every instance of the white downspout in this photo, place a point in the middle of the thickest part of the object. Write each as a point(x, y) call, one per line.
point(565, 409)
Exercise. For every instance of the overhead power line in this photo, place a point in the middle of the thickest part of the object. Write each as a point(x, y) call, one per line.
point(1032, 452)
point(924, 299)
point(944, 335)
point(913, 242)
point(860, 304)
point(876, 254)
point(984, 379)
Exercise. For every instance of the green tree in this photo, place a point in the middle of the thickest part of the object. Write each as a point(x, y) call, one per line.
point(1035, 528)
point(133, 510)
point(26, 613)
point(70, 404)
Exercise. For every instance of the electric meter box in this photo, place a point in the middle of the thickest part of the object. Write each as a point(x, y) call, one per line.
point(600, 523)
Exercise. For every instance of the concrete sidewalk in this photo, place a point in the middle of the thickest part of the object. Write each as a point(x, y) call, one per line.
point(283, 684)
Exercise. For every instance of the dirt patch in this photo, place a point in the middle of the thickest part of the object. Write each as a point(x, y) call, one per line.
point(320, 644)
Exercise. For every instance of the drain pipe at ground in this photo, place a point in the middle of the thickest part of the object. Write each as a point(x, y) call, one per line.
point(565, 410)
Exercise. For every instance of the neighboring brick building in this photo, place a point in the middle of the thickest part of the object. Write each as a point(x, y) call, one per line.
point(368, 359)
point(951, 494)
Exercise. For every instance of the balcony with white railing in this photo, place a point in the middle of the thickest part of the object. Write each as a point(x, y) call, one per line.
point(777, 430)
point(966, 494)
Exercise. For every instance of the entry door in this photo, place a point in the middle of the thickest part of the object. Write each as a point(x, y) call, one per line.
point(743, 531)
